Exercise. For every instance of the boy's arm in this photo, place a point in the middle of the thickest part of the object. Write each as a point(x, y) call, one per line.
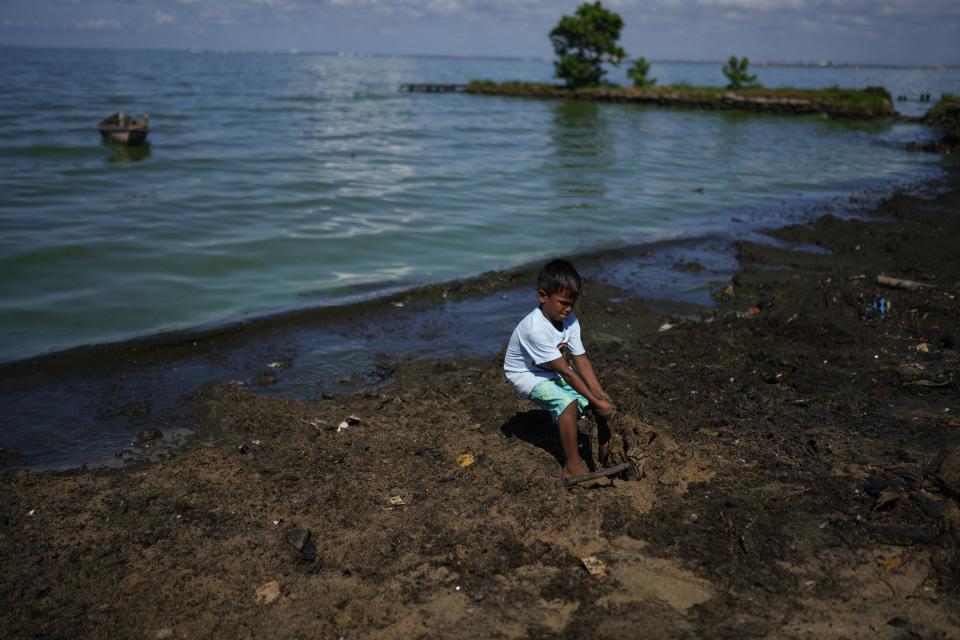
point(601, 404)
point(585, 368)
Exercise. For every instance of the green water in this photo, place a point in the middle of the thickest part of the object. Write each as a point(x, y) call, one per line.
point(279, 181)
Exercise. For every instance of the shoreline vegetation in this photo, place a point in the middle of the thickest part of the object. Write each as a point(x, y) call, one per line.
point(870, 102)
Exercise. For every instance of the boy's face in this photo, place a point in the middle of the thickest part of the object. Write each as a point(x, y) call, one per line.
point(556, 306)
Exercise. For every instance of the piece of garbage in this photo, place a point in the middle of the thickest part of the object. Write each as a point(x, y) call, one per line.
point(753, 310)
point(349, 421)
point(255, 442)
point(708, 432)
point(465, 460)
point(892, 563)
point(268, 592)
point(396, 501)
point(887, 499)
point(950, 423)
point(31, 512)
point(595, 567)
point(666, 326)
point(277, 522)
point(397, 304)
point(923, 347)
point(880, 305)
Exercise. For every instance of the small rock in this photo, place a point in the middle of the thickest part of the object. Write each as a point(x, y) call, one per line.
point(300, 539)
point(148, 438)
point(949, 472)
point(134, 583)
point(268, 592)
point(136, 409)
point(595, 567)
point(163, 634)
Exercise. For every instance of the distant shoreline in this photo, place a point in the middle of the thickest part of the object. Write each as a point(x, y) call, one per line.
point(299, 52)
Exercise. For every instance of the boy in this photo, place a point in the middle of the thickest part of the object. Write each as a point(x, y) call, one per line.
point(536, 365)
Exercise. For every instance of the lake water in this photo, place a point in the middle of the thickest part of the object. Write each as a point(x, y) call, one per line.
point(278, 181)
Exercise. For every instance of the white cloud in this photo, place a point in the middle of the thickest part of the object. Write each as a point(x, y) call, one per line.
point(159, 17)
point(94, 24)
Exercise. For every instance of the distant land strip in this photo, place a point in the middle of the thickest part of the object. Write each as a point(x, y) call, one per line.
point(870, 102)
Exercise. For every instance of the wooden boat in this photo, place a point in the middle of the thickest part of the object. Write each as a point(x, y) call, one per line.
point(122, 128)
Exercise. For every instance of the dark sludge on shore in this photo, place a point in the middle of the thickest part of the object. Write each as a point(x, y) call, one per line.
point(797, 474)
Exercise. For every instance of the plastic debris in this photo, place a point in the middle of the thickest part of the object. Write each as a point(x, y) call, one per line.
point(704, 431)
point(465, 460)
point(879, 306)
point(31, 512)
point(666, 326)
point(396, 501)
point(595, 567)
point(350, 421)
point(398, 305)
point(901, 283)
point(923, 347)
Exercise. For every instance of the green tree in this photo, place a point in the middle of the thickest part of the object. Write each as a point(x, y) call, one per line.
point(735, 71)
point(583, 42)
point(638, 73)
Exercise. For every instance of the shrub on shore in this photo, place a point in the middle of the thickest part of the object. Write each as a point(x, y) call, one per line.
point(638, 74)
point(945, 116)
point(735, 71)
point(583, 42)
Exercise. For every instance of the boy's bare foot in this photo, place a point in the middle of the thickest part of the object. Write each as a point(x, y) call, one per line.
point(575, 468)
point(603, 453)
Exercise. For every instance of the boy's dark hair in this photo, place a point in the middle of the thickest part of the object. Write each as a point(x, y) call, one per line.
point(559, 275)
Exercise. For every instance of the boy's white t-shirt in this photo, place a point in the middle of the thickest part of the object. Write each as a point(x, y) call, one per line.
point(536, 341)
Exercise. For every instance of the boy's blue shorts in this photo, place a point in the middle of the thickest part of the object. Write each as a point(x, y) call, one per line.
point(554, 395)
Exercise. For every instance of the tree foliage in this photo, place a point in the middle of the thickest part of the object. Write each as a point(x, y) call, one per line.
point(638, 73)
point(735, 71)
point(583, 42)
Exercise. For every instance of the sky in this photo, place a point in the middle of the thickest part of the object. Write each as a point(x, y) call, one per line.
point(810, 31)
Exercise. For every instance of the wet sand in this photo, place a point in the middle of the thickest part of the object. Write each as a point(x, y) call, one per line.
point(797, 449)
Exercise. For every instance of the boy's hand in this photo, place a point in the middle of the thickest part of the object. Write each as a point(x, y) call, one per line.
point(603, 395)
point(604, 406)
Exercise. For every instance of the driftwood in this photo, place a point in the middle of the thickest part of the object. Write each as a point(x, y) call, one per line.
point(900, 283)
point(599, 473)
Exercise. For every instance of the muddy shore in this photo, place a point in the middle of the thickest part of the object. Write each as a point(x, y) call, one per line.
point(800, 450)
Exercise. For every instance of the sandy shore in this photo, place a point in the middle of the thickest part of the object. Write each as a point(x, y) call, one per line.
point(800, 450)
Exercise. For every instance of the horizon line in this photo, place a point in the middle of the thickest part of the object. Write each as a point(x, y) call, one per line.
point(825, 64)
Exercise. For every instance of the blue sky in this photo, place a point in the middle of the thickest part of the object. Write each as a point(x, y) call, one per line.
point(857, 31)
